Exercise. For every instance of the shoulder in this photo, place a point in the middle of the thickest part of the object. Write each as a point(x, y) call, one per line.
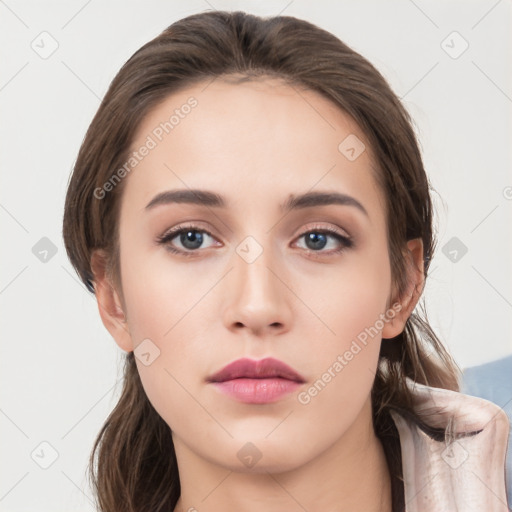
point(455, 472)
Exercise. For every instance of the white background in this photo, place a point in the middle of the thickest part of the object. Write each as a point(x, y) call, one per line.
point(59, 365)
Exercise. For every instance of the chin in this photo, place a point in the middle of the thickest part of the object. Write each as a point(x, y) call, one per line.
point(257, 455)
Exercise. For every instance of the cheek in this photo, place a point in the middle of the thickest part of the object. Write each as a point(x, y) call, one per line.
point(158, 293)
point(344, 361)
point(351, 304)
point(350, 298)
point(166, 307)
point(354, 317)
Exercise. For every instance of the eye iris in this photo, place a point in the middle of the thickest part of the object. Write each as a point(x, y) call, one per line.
point(316, 240)
point(191, 239)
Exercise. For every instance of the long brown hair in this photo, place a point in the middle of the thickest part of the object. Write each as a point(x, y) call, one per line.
point(133, 464)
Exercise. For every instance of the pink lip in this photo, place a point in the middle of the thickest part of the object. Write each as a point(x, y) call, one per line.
point(257, 382)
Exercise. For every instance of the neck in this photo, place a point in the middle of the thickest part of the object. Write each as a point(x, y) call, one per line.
point(350, 476)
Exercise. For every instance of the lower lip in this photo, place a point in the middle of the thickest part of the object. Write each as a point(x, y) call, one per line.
point(257, 391)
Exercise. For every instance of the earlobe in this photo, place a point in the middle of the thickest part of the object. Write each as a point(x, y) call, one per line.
point(109, 304)
point(407, 302)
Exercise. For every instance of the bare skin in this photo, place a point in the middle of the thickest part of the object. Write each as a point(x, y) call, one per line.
point(255, 144)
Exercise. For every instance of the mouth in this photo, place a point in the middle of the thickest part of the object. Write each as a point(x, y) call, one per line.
point(268, 368)
point(257, 382)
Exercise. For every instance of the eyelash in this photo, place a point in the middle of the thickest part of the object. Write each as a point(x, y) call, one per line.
point(165, 239)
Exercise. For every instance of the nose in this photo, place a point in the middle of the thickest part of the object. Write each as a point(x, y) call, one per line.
point(257, 295)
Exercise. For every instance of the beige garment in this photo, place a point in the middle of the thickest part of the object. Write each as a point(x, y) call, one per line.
point(464, 476)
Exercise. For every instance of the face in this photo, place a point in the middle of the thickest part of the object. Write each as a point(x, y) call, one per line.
point(255, 274)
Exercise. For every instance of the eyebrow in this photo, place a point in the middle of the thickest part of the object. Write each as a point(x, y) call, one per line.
point(294, 202)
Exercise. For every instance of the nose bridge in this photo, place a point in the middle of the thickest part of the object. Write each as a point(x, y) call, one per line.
point(256, 297)
point(254, 260)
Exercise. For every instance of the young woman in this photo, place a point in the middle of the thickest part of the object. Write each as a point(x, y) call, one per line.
point(250, 208)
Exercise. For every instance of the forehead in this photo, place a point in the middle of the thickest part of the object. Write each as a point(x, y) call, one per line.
point(251, 141)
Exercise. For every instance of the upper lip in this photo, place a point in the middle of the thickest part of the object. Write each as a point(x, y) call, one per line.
point(260, 369)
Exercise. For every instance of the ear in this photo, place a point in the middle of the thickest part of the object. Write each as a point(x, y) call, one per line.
point(407, 302)
point(109, 303)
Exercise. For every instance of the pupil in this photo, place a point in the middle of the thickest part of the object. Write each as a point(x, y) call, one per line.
point(318, 240)
point(191, 239)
